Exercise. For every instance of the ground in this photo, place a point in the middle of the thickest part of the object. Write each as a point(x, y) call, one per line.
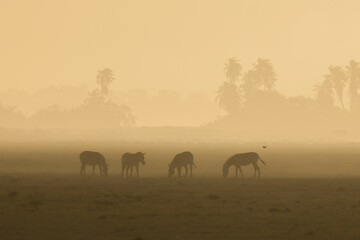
point(307, 191)
point(58, 206)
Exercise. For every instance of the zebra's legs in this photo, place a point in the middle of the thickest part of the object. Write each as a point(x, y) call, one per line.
point(122, 170)
point(236, 171)
point(127, 171)
point(93, 169)
point(186, 171)
point(179, 171)
point(137, 171)
point(101, 170)
point(242, 175)
point(82, 170)
point(257, 169)
point(131, 171)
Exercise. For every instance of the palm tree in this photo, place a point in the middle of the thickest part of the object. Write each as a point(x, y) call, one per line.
point(265, 74)
point(229, 97)
point(353, 76)
point(338, 78)
point(325, 94)
point(228, 94)
point(95, 98)
point(249, 83)
point(232, 70)
point(104, 78)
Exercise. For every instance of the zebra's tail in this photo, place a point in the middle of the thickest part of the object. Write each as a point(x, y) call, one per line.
point(193, 164)
point(262, 160)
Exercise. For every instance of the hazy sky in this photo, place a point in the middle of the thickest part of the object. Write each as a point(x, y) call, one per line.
point(179, 45)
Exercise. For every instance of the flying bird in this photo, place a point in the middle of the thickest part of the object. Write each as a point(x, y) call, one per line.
point(264, 146)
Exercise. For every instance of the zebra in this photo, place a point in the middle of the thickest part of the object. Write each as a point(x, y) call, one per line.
point(93, 159)
point(242, 159)
point(130, 160)
point(181, 160)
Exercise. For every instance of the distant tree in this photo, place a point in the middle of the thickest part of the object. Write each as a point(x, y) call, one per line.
point(95, 97)
point(97, 105)
point(300, 103)
point(11, 117)
point(325, 94)
point(232, 70)
point(104, 78)
point(338, 78)
point(249, 83)
point(228, 95)
point(122, 113)
point(353, 76)
point(264, 74)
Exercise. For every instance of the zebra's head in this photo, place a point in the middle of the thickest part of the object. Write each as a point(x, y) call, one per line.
point(225, 171)
point(140, 157)
point(171, 171)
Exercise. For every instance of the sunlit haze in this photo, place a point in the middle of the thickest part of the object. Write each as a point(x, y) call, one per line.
point(175, 45)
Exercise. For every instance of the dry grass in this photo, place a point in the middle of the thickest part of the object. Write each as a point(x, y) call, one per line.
point(158, 208)
point(303, 194)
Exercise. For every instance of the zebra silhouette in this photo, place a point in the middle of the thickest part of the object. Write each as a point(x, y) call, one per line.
point(180, 160)
point(130, 160)
point(242, 159)
point(93, 159)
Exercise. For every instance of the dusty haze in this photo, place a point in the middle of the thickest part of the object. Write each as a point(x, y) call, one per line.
point(173, 45)
point(168, 65)
point(84, 82)
point(167, 45)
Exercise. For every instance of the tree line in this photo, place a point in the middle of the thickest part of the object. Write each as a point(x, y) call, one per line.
point(97, 110)
point(251, 94)
point(239, 87)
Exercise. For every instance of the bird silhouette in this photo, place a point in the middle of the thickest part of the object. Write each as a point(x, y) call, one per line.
point(264, 146)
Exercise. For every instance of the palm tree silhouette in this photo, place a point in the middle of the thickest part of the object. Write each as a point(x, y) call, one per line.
point(104, 78)
point(95, 98)
point(228, 97)
point(249, 83)
point(338, 78)
point(265, 74)
point(353, 76)
point(325, 94)
point(232, 70)
point(228, 94)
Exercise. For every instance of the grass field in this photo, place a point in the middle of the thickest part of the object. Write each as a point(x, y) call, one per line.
point(283, 160)
point(71, 207)
point(307, 192)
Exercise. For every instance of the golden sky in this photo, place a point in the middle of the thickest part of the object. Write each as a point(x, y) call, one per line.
point(178, 45)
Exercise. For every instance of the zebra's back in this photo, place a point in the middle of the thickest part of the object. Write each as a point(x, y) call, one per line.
point(129, 159)
point(132, 159)
point(243, 158)
point(182, 159)
point(92, 158)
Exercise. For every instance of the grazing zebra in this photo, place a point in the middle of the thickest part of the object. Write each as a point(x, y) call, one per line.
point(182, 160)
point(242, 159)
point(93, 159)
point(130, 160)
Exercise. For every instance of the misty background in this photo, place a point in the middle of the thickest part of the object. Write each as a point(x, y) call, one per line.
point(193, 70)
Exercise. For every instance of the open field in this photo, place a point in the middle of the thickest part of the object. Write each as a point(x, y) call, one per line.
point(283, 160)
point(71, 207)
point(307, 192)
